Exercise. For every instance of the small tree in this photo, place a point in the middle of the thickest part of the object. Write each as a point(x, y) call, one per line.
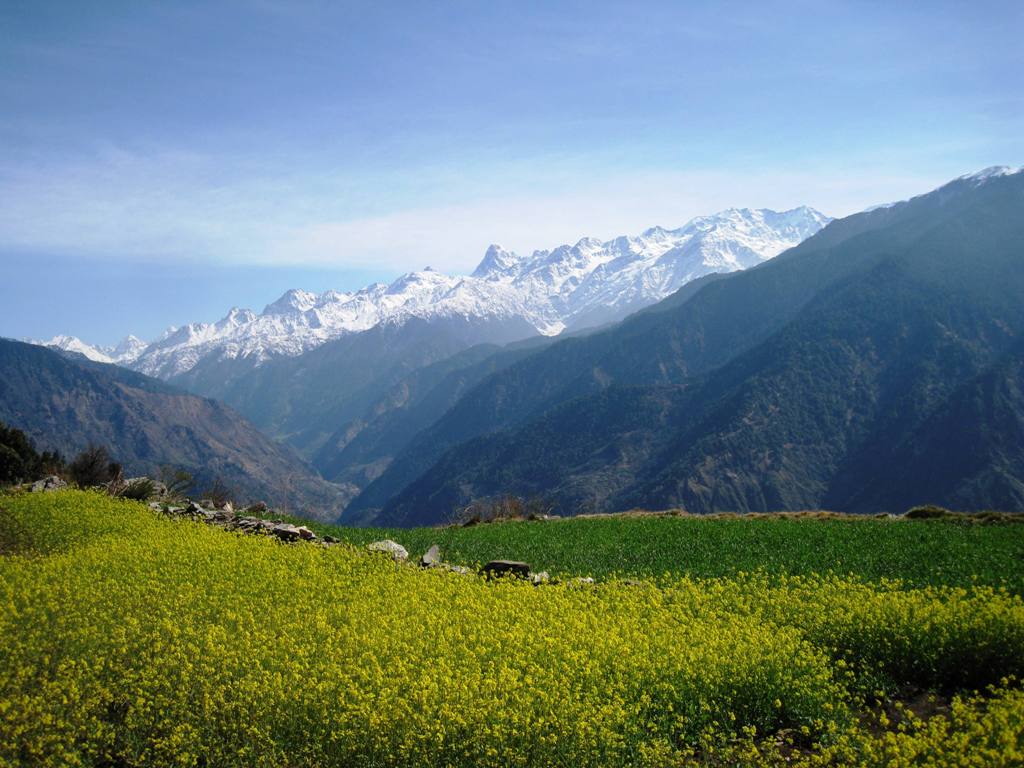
point(51, 463)
point(177, 481)
point(219, 494)
point(18, 458)
point(93, 467)
point(12, 468)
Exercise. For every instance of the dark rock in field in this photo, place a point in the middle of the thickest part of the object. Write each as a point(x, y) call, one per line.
point(306, 534)
point(330, 540)
point(398, 553)
point(432, 557)
point(506, 568)
point(285, 532)
point(51, 483)
point(194, 509)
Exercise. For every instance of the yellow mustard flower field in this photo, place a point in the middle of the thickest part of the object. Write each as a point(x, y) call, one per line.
point(131, 639)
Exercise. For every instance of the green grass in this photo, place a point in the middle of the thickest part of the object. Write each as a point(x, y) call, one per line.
point(921, 552)
point(128, 638)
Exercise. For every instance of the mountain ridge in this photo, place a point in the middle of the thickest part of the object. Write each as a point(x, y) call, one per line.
point(65, 402)
point(570, 287)
point(957, 249)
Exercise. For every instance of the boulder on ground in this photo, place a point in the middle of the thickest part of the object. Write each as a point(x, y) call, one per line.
point(398, 553)
point(51, 483)
point(431, 558)
point(194, 509)
point(506, 568)
point(306, 534)
point(285, 532)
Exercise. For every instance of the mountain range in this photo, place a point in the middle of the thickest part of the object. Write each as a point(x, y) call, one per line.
point(874, 366)
point(748, 361)
point(510, 297)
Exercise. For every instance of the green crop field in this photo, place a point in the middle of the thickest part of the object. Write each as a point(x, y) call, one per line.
point(131, 639)
point(953, 552)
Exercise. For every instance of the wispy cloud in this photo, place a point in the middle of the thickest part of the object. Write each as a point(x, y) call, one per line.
point(164, 204)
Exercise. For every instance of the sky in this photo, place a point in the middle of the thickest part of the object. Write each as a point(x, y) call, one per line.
point(163, 162)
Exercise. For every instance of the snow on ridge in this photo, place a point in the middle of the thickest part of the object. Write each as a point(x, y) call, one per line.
point(569, 286)
point(992, 172)
point(125, 351)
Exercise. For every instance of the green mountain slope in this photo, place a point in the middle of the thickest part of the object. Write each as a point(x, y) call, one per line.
point(303, 400)
point(65, 404)
point(783, 387)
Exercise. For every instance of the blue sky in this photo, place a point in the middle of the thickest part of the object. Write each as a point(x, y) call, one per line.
point(161, 162)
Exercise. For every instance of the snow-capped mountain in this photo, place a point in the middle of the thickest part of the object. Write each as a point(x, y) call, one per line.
point(569, 287)
point(124, 352)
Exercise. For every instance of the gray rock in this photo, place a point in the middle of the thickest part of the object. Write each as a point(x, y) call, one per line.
point(432, 557)
point(398, 553)
point(542, 577)
point(305, 534)
point(285, 532)
point(51, 483)
point(497, 568)
point(459, 569)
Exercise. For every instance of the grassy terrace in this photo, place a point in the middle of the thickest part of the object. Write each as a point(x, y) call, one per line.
point(128, 638)
point(952, 552)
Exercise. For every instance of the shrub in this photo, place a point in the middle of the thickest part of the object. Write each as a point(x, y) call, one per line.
point(138, 489)
point(177, 481)
point(927, 512)
point(498, 508)
point(12, 468)
point(93, 467)
point(19, 460)
point(219, 494)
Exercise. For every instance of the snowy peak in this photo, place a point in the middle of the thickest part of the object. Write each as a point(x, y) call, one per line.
point(992, 172)
point(124, 352)
point(77, 346)
point(567, 287)
point(495, 263)
point(294, 300)
point(128, 349)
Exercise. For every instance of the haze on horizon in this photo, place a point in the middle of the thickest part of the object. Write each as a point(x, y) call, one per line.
point(162, 162)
